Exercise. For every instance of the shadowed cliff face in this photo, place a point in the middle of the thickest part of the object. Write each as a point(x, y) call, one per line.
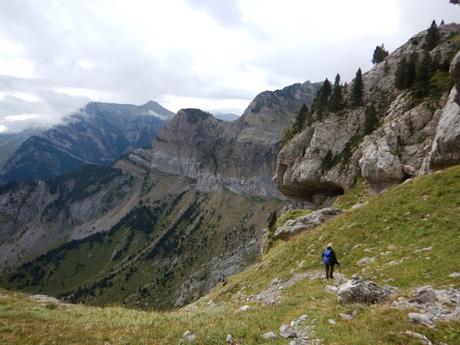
point(411, 135)
point(239, 155)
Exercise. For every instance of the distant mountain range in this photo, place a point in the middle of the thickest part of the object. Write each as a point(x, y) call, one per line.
point(97, 134)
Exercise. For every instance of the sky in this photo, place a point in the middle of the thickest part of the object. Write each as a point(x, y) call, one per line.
point(217, 55)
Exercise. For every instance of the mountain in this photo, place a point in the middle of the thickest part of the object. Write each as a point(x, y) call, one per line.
point(397, 231)
point(97, 134)
point(126, 234)
point(239, 155)
point(138, 229)
point(395, 135)
point(10, 142)
point(229, 117)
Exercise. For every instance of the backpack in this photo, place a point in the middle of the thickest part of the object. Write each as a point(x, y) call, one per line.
point(327, 256)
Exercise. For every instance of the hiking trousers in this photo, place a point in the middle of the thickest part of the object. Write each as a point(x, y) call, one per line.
point(329, 271)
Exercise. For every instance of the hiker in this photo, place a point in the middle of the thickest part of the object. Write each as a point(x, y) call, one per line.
point(329, 260)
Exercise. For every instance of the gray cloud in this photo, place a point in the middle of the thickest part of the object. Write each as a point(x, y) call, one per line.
point(115, 51)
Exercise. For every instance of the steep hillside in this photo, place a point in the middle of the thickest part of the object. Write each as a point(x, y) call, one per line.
point(97, 134)
point(10, 142)
point(167, 249)
point(392, 133)
point(238, 155)
point(404, 230)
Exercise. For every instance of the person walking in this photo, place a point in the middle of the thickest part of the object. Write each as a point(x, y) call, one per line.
point(329, 260)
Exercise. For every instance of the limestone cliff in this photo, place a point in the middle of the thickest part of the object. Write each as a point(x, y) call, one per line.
point(411, 136)
point(239, 155)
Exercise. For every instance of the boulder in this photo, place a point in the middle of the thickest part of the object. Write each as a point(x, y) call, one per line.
point(357, 290)
point(304, 223)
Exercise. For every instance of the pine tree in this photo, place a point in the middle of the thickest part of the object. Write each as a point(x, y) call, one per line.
point(300, 119)
point(432, 37)
point(423, 75)
point(337, 97)
point(411, 70)
point(357, 90)
point(322, 98)
point(380, 53)
point(371, 120)
point(442, 22)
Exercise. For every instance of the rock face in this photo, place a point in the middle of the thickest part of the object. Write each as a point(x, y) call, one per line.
point(410, 136)
point(304, 223)
point(357, 290)
point(446, 145)
point(97, 134)
point(239, 155)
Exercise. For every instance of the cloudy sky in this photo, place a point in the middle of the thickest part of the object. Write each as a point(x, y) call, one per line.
point(56, 55)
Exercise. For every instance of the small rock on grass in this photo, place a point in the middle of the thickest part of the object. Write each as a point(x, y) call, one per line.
point(422, 337)
point(421, 318)
point(269, 336)
point(331, 322)
point(454, 275)
point(287, 332)
point(346, 317)
point(245, 308)
point(189, 337)
point(229, 339)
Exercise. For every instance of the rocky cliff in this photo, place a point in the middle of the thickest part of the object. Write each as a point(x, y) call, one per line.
point(97, 134)
point(239, 155)
point(411, 135)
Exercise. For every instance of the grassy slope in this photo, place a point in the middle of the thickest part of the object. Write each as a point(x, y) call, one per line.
point(424, 212)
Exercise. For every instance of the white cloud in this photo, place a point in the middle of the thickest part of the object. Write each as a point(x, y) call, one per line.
point(22, 117)
point(3, 128)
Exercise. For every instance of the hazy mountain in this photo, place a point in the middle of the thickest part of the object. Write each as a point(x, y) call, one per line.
point(10, 142)
point(99, 133)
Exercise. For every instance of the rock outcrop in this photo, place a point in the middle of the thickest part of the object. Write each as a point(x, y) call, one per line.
point(239, 155)
point(410, 136)
point(446, 144)
point(294, 226)
point(357, 290)
point(98, 134)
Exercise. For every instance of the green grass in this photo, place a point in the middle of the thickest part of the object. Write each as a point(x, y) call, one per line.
point(291, 215)
point(424, 212)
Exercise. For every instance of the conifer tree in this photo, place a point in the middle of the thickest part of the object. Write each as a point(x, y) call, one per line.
point(400, 74)
point(432, 37)
point(322, 98)
point(371, 120)
point(411, 70)
point(380, 53)
point(300, 119)
point(423, 75)
point(337, 97)
point(357, 89)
